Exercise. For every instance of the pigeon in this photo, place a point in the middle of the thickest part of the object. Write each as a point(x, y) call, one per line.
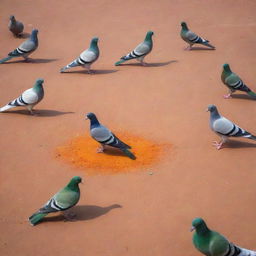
point(16, 27)
point(192, 38)
point(28, 98)
point(25, 49)
point(225, 128)
point(105, 137)
point(211, 243)
point(140, 51)
point(234, 82)
point(86, 58)
point(61, 201)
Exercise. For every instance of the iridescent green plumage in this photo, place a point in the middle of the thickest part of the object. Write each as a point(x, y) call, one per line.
point(234, 82)
point(61, 201)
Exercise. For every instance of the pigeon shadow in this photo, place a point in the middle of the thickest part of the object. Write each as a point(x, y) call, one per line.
point(24, 35)
point(156, 64)
point(239, 144)
point(94, 72)
point(242, 96)
point(84, 212)
point(38, 112)
point(114, 152)
point(201, 49)
point(36, 61)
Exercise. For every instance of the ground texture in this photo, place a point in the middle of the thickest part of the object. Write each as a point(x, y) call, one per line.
point(133, 213)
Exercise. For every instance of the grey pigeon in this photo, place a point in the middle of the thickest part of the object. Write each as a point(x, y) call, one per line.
point(225, 128)
point(86, 58)
point(140, 51)
point(25, 49)
point(105, 137)
point(28, 98)
point(15, 26)
point(191, 38)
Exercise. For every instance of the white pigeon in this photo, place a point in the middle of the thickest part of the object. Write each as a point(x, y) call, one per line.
point(225, 128)
point(28, 98)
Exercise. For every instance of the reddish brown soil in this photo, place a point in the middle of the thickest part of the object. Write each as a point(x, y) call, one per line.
point(163, 102)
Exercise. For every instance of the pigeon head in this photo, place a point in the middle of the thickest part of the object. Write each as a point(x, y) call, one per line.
point(12, 18)
point(226, 67)
point(73, 184)
point(76, 180)
point(94, 40)
point(211, 108)
point(149, 35)
point(184, 25)
point(34, 32)
point(199, 225)
point(40, 81)
point(92, 117)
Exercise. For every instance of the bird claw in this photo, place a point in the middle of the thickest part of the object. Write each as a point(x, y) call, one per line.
point(100, 150)
point(217, 145)
point(227, 96)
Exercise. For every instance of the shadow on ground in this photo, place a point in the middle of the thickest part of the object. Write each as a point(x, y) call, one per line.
point(156, 64)
point(239, 144)
point(38, 112)
point(242, 96)
point(31, 60)
point(84, 212)
point(95, 72)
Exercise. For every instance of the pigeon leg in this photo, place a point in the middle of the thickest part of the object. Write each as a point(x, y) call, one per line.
point(188, 48)
point(228, 95)
point(217, 144)
point(30, 109)
point(101, 149)
point(141, 60)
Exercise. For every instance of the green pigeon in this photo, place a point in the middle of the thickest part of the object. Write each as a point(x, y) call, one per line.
point(28, 98)
point(140, 51)
point(191, 38)
point(61, 201)
point(234, 82)
point(86, 58)
point(211, 243)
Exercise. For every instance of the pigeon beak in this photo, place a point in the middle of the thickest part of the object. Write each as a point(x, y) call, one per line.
point(207, 110)
point(86, 118)
point(192, 228)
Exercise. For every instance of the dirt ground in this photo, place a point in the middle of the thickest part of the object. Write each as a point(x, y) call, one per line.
point(131, 213)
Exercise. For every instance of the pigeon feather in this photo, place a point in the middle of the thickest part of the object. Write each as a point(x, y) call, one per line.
point(61, 201)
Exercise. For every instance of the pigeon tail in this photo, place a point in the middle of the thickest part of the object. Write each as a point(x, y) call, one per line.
point(120, 62)
point(128, 153)
point(251, 93)
point(36, 217)
point(252, 137)
point(5, 59)
point(6, 107)
point(206, 43)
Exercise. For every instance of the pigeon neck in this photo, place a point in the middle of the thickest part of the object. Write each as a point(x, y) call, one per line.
point(227, 70)
point(33, 37)
point(38, 87)
point(73, 186)
point(148, 38)
point(94, 46)
point(215, 114)
point(202, 230)
point(94, 122)
point(184, 27)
